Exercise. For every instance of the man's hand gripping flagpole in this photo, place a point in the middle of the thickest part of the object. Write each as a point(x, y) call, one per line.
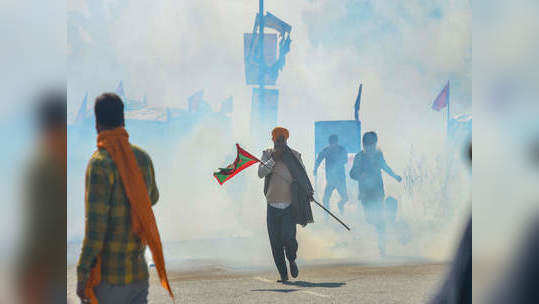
point(312, 198)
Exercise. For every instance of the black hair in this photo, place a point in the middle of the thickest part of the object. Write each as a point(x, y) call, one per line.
point(370, 138)
point(333, 139)
point(52, 110)
point(109, 111)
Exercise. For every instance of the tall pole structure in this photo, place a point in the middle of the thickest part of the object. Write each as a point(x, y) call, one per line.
point(261, 61)
point(262, 65)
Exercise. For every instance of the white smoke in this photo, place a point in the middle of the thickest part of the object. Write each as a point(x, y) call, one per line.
point(403, 53)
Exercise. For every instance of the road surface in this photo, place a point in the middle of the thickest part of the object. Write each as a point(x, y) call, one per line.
point(329, 283)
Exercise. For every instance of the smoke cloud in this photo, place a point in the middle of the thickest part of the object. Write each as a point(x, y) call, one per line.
point(402, 52)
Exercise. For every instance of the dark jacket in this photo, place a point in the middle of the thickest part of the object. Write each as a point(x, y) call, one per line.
point(336, 158)
point(302, 189)
point(367, 170)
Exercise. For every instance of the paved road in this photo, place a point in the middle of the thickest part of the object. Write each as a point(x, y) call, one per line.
point(316, 284)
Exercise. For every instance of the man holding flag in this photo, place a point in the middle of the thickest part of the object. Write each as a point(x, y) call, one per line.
point(288, 192)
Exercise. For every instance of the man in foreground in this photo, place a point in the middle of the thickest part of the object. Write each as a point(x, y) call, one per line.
point(288, 193)
point(120, 190)
point(336, 158)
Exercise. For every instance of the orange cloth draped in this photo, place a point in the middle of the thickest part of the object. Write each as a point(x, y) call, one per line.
point(116, 142)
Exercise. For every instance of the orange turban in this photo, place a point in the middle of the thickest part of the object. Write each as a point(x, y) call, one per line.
point(278, 132)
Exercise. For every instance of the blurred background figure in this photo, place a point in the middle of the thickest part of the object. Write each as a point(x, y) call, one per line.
point(367, 170)
point(457, 287)
point(506, 175)
point(336, 157)
point(519, 285)
point(41, 267)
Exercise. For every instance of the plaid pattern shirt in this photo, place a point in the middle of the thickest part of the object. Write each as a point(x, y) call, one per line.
point(108, 221)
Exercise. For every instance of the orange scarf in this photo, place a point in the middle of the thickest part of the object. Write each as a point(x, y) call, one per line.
point(116, 142)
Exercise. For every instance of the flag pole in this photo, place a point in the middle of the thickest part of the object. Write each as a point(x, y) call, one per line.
point(448, 108)
point(448, 146)
point(338, 220)
point(314, 200)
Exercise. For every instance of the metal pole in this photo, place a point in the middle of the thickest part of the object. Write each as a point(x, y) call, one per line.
point(345, 226)
point(448, 107)
point(261, 62)
point(448, 151)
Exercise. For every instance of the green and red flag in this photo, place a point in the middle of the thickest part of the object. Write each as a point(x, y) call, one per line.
point(243, 160)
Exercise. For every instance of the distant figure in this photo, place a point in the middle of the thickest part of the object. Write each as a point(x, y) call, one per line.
point(336, 158)
point(367, 170)
point(288, 194)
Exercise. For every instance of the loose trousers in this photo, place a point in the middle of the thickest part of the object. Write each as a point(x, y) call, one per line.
point(282, 235)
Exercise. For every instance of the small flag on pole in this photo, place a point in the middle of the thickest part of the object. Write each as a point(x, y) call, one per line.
point(243, 160)
point(442, 100)
point(358, 103)
point(195, 101)
point(120, 89)
point(83, 109)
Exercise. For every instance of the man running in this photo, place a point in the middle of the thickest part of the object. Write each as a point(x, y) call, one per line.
point(336, 158)
point(367, 170)
point(288, 193)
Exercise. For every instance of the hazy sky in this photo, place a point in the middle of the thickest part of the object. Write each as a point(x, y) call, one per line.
point(403, 52)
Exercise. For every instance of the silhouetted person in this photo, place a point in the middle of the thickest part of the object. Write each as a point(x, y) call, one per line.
point(42, 264)
point(367, 170)
point(457, 286)
point(519, 284)
point(336, 158)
